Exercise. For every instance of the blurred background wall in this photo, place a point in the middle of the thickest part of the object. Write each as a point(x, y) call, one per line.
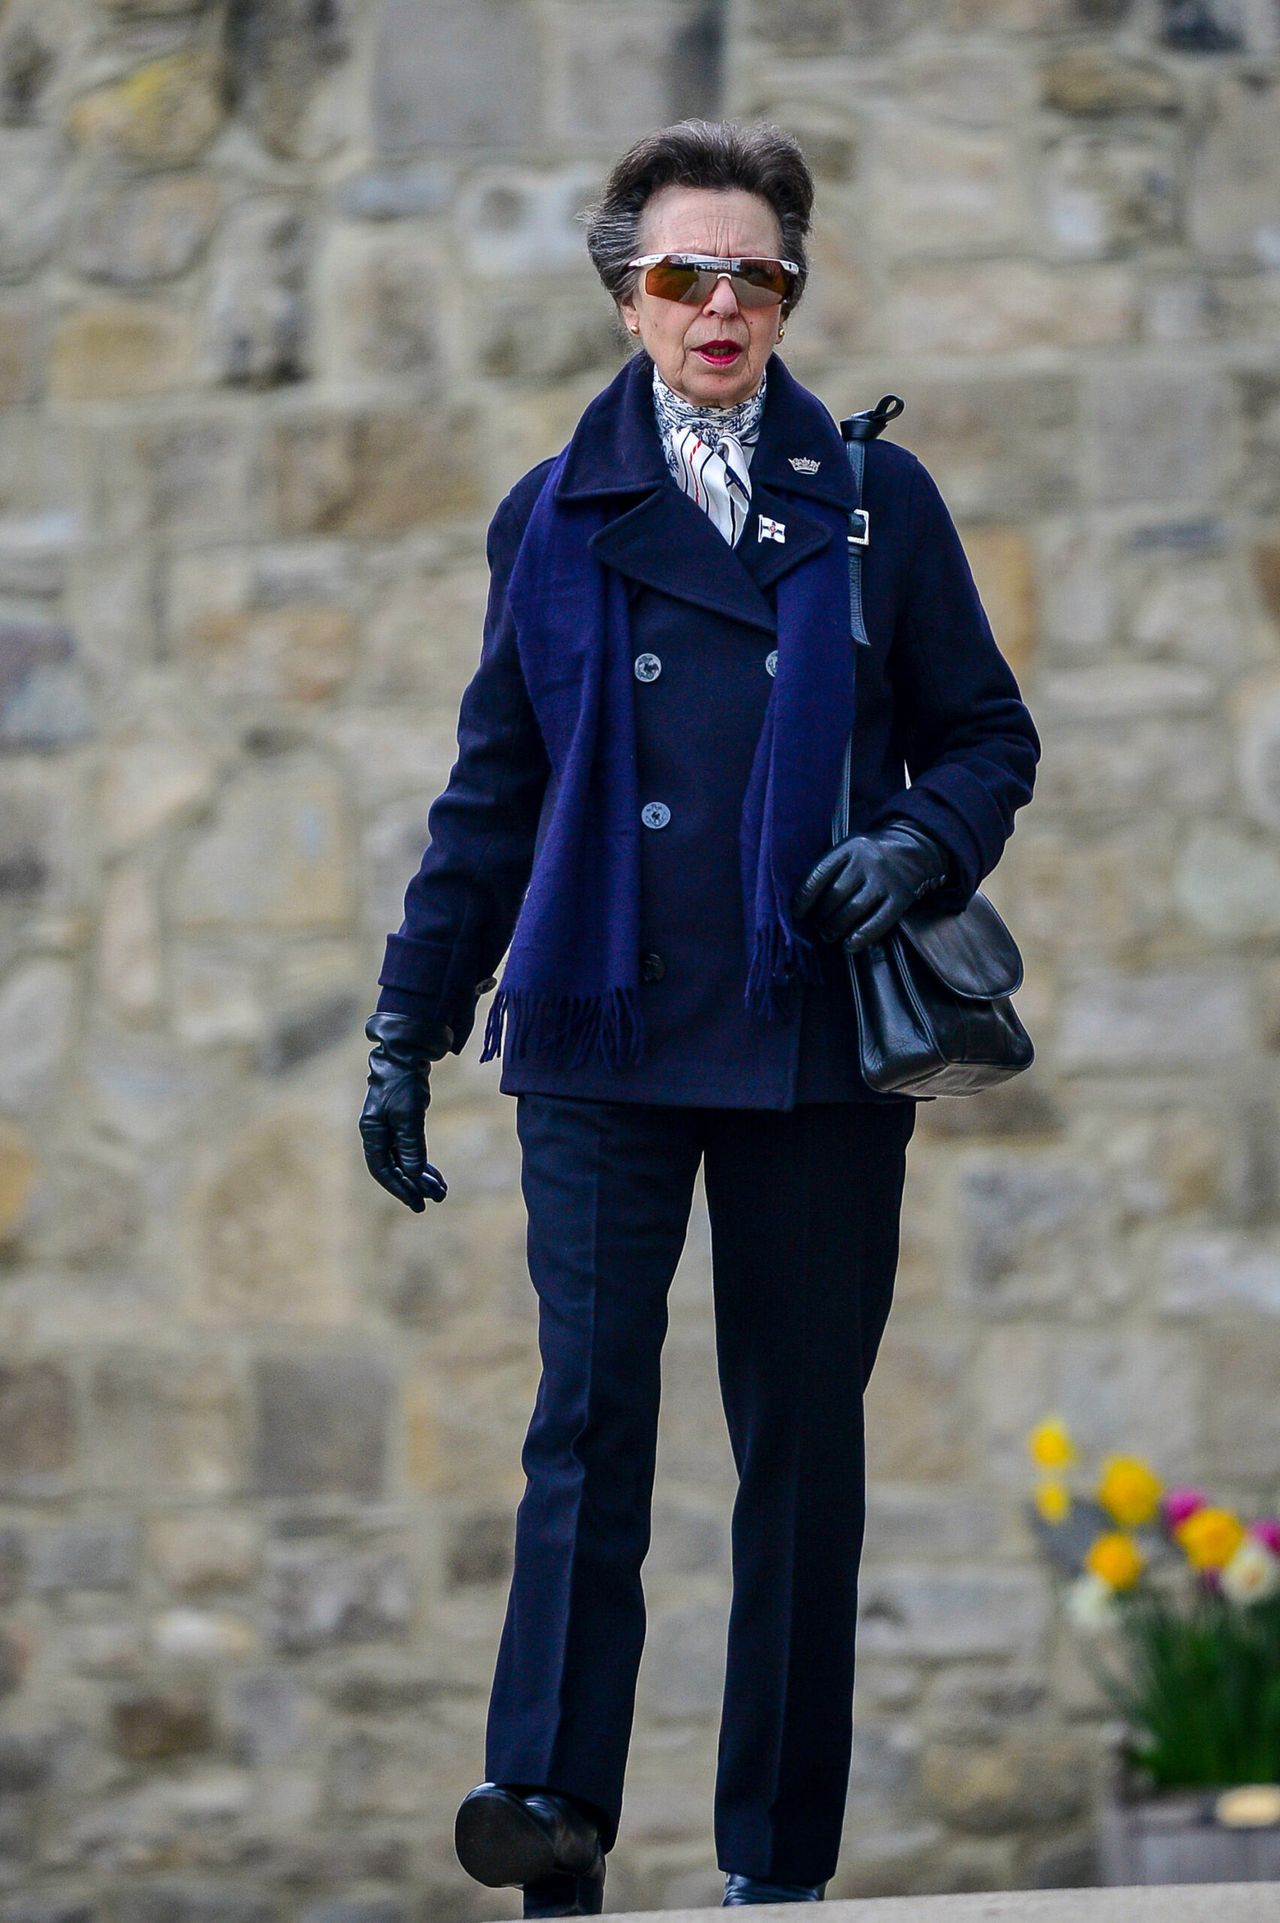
point(290, 293)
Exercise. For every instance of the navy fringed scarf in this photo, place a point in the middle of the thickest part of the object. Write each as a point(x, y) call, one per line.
point(570, 988)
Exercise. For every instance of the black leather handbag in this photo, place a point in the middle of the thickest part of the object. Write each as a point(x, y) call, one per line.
point(933, 997)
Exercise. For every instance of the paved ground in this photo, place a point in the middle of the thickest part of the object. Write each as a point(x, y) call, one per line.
point(1167, 1903)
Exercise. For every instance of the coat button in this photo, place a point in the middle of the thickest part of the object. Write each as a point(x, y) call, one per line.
point(652, 967)
point(771, 661)
point(655, 814)
point(490, 981)
point(648, 667)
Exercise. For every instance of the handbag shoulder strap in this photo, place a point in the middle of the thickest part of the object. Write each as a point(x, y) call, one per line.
point(857, 430)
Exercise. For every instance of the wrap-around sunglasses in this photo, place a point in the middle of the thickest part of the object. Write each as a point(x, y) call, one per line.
point(758, 281)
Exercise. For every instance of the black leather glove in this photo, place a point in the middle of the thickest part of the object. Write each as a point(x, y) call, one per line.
point(863, 885)
point(393, 1120)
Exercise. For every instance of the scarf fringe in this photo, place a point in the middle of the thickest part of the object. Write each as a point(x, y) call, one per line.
point(608, 1025)
point(780, 956)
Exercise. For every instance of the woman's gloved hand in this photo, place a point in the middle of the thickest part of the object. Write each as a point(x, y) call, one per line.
point(393, 1120)
point(863, 885)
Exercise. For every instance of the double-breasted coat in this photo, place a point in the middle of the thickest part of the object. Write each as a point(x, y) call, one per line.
point(941, 736)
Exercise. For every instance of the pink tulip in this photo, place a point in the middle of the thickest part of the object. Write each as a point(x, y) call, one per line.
point(1267, 1530)
point(1178, 1504)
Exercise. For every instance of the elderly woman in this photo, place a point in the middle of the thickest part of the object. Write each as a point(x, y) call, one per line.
point(641, 811)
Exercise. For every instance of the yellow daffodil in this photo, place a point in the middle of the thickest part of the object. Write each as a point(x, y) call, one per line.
point(1210, 1537)
point(1129, 1490)
point(1053, 1499)
point(1051, 1445)
point(1116, 1559)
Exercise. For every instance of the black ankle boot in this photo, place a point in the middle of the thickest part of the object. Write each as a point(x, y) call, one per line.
point(538, 1841)
point(754, 1889)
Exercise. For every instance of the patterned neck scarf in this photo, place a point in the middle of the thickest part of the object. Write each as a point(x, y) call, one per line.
point(709, 450)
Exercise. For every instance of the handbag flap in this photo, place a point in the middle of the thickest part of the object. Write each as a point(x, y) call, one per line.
point(970, 949)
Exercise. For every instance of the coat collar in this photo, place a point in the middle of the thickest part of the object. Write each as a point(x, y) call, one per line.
point(616, 447)
point(666, 540)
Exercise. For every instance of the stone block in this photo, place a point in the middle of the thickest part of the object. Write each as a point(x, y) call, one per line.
point(162, 114)
point(516, 223)
point(462, 74)
point(321, 1425)
point(171, 1899)
point(933, 188)
point(1231, 205)
point(1227, 883)
point(1036, 1235)
point(616, 73)
point(204, 1549)
point(1219, 1272)
point(130, 976)
point(1108, 194)
point(132, 233)
point(1256, 714)
point(158, 773)
point(373, 474)
point(951, 1613)
point(917, 1426)
point(1136, 1393)
point(32, 220)
point(146, 1726)
point(257, 324)
point(91, 1553)
point(682, 1668)
point(37, 1427)
point(264, 1712)
point(18, 1166)
point(1095, 81)
point(320, 1596)
point(380, 304)
point(1172, 1018)
point(1155, 435)
point(268, 1239)
point(1027, 1780)
point(1103, 769)
point(164, 1422)
point(297, 78)
point(121, 351)
point(189, 476)
point(278, 855)
point(1242, 1422)
point(22, 358)
point(1007, 306)
point(959, 79)
point(1001, 450)
point(43, 700)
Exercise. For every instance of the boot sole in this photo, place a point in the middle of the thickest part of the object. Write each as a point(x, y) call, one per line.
point(498, 1843)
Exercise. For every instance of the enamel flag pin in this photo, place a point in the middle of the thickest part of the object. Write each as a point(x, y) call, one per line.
point(771, 530)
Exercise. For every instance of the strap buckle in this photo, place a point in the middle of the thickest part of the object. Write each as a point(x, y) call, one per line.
point(863, 539)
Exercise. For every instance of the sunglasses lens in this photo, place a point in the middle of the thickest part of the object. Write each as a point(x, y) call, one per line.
point(760, 283)
point(670, 281)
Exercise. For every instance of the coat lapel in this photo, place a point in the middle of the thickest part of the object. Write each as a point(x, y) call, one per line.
point(663, 538)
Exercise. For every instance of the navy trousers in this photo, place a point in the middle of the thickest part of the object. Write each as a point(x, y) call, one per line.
point(804, 1207)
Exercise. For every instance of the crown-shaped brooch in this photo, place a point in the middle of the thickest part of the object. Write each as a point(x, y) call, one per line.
point(805, 464)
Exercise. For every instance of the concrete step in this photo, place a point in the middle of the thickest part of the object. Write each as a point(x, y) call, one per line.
point(1159, 1903)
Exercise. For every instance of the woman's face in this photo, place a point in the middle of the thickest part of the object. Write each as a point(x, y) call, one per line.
point(706, 220)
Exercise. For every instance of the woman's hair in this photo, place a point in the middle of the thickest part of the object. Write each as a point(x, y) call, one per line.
point(755, 156)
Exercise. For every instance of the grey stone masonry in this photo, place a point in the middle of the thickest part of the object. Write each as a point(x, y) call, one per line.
point(291, 293)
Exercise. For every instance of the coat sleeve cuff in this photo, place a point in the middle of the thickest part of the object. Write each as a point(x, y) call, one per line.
point(944, 816)
point(434, 980)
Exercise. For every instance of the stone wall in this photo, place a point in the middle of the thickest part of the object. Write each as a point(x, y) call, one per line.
point(289, 295)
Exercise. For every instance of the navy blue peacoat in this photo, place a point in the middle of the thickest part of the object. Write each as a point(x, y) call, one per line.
point(941, 736)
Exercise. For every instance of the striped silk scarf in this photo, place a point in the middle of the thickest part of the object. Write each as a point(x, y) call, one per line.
point(709, 450)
